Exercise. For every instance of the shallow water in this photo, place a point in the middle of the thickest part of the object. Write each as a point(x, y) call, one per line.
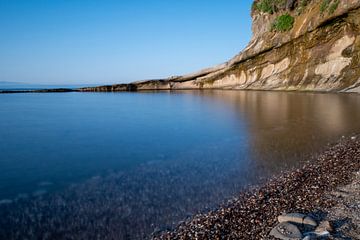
point(181, 152)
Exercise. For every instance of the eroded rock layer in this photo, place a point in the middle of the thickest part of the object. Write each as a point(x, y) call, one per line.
point(321, 52)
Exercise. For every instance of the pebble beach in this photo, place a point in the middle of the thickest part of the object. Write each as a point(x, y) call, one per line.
point(307, 190)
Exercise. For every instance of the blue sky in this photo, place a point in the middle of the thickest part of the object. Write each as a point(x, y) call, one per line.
point(114, 41)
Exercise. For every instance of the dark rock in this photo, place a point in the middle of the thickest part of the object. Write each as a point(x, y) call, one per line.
point(290, 4)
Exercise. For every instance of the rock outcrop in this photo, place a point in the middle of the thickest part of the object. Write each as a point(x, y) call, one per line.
point(318, 50)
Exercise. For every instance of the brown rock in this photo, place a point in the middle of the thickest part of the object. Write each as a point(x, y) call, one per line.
point(324, 226)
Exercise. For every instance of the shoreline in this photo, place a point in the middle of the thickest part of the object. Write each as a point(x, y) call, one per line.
point(307, 190)
point(108, 89)
point(70, 214)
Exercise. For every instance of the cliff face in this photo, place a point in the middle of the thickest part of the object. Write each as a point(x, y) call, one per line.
point(306, 45)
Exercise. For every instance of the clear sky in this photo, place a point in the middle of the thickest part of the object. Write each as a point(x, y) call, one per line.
point(114, 41)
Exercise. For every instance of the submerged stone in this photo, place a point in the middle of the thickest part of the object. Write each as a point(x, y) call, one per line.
point(5, 201)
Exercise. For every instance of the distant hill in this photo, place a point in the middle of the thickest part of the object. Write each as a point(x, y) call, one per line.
point(6, 85)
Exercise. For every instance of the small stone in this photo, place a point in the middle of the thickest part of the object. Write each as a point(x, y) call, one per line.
point(309, 221)
point(286, 231)
point(353, 138)
point(324, 226)
point(297, 218)
point(292, 217)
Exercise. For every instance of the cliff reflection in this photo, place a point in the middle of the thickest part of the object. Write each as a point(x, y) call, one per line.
point(284, 128)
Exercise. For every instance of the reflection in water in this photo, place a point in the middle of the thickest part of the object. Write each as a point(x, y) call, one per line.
point(287, 127)
point(170, 154)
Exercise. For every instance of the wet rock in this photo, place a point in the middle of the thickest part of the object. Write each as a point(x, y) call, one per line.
point(297, 218)
point(286, 231)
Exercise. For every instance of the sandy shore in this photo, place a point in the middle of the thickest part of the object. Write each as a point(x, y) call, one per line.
point(326, 189)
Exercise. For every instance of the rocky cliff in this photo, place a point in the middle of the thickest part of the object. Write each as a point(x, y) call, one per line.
point(305, 45)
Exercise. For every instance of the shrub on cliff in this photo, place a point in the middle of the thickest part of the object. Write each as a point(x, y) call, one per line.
point(283, 23)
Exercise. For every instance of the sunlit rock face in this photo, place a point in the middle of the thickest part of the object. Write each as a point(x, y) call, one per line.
point(320, 53)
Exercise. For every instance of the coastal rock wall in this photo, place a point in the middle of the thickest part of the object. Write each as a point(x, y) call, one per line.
point(319, 51)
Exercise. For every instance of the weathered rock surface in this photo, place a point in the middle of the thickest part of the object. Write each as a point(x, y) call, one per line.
point(286, 231)
point(320, 53)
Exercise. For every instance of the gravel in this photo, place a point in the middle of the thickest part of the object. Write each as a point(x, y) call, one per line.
point(305, 190)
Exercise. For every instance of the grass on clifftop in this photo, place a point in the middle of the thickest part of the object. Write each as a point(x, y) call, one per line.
point(283, 23)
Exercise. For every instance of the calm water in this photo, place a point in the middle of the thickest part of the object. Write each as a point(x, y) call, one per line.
point(196, 148)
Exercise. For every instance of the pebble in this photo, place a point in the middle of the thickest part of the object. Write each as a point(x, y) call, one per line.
point(297, 218)
point(286, 231)
point(310, 222)
point(292, 217)
point(324, 226)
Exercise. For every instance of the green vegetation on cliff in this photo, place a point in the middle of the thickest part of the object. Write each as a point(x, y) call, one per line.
point(334, 6)
point(283, 23)
point(329, 5)
point(301, 7)
point(271, 6)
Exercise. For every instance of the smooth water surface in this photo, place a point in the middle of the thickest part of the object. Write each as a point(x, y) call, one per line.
point(197, 148)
